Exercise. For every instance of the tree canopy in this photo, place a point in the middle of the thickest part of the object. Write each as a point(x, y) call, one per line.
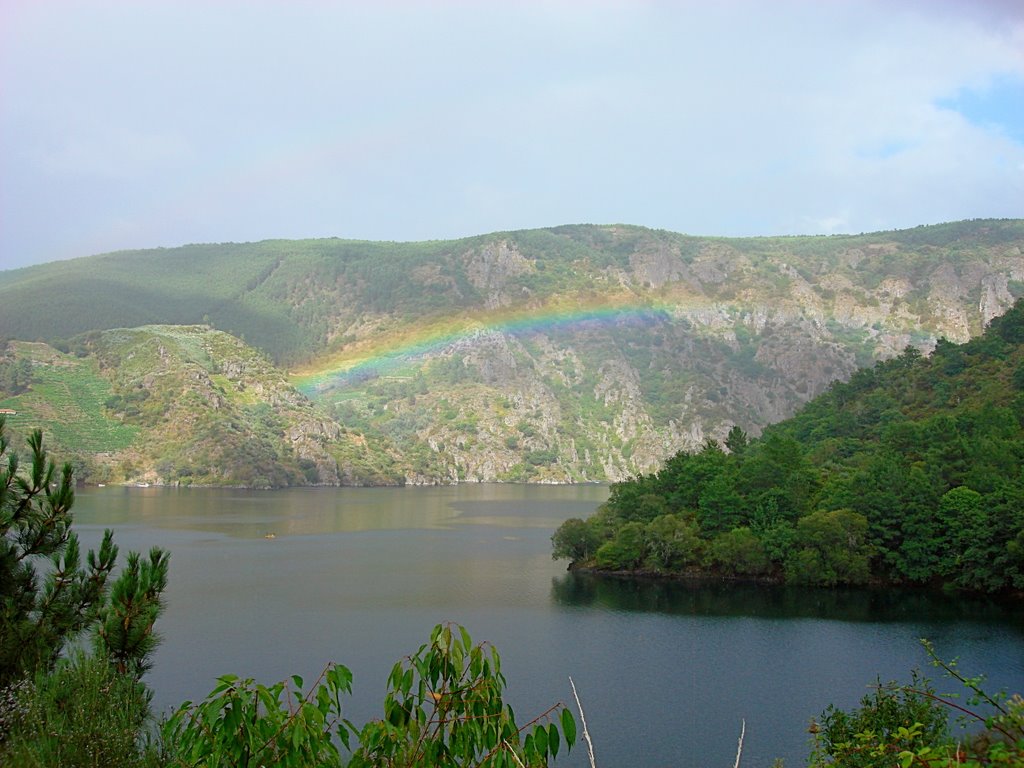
point(910, 472)
point(48, 595)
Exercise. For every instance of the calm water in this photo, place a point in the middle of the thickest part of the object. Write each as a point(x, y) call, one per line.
point(666, 671)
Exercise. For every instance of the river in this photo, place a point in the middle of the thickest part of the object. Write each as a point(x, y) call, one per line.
point(267, 584)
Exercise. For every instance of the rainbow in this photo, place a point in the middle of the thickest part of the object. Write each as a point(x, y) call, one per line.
point(392, 350)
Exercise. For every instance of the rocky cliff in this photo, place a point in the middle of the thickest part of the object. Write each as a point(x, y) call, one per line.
point(571, 354)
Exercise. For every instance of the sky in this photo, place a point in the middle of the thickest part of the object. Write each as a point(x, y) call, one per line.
point(153, 124)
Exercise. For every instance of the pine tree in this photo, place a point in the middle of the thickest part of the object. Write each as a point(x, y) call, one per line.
point(46, 605)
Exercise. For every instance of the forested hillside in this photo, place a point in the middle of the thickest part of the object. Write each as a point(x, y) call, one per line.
point(569, 354)
point(910, 472)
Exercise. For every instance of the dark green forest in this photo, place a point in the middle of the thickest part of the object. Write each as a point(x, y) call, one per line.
point(909, 473)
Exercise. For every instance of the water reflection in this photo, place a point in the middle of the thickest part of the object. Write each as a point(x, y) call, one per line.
point(721, 598)
point(315, 511)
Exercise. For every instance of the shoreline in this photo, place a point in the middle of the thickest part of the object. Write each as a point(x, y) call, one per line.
point(696, 577)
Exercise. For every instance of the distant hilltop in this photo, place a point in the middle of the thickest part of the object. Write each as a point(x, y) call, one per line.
point(567, 354)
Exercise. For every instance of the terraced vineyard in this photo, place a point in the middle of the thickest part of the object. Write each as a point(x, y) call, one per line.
point(66, 402)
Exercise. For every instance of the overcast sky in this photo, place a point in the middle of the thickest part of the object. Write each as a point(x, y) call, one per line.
point(142, 124)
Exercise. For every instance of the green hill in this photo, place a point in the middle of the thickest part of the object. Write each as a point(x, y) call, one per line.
point(183, 405)
point(293, 299)
point(575, 353)
point(910, 472)
point(66, 398)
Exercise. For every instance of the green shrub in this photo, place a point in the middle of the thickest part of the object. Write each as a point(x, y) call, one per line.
point(740, 552)
point(909, 725)
point(80, 711)
point(84, 713)
point(625, 551)
point(575, 540)
point(444, 707)
point(831, 548)
point(672, 543)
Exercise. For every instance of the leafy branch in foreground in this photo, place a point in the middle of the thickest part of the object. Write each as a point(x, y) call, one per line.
point(444, 707)
point(244, 723)
point(909, 725)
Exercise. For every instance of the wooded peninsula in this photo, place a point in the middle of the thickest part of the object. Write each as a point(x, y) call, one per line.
point(909, 473)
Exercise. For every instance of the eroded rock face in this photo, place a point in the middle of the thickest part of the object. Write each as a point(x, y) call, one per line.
point(995, 297)
point(490, 353)
point(657, 265)
point(605, 401)
point(548, 409)
point(713, 333)
point(490, 269)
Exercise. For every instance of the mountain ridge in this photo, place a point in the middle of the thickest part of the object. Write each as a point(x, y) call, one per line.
point(568, 354)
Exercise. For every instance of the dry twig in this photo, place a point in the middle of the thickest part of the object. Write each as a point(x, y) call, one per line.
point(583, 720)
point(739, 747)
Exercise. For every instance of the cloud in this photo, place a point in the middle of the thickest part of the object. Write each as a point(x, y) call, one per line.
point(112, 153)
point(239, 121)
point(829, 224)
